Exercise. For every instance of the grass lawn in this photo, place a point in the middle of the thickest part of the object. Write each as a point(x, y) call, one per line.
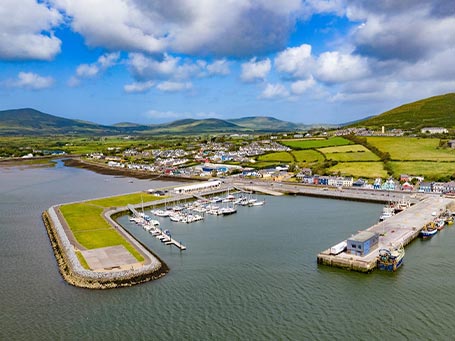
point(349, 153)
point(276, 157)
point(412, 148)
point(430, 170)
point(370, 170)
point(312, 143)
point(91, 230)
point(307, 156)
point(82, 260)
point(123, 200)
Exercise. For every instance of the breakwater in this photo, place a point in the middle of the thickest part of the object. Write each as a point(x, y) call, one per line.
point(73, 272)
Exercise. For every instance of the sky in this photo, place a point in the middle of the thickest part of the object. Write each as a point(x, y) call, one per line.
point(153, 61)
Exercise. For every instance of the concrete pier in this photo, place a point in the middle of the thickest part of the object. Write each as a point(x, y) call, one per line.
point(401, 228)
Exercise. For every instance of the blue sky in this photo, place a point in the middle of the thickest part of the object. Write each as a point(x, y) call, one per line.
point(326, 61)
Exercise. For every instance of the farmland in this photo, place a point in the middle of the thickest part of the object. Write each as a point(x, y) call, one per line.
point(412, 148)
point(430, 170)
point(315, 143)
point(307, 156)
point(369, 170)
point(349, 153)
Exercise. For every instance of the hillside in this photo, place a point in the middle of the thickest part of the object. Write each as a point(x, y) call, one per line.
point(437, 111)
point(264, 123)
point(33, 122)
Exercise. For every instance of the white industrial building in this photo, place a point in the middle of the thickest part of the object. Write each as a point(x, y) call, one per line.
point(203, 186)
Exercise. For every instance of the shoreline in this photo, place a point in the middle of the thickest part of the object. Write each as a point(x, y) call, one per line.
point(106, 170)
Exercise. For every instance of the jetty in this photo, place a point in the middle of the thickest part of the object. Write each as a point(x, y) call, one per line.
point(399, 229)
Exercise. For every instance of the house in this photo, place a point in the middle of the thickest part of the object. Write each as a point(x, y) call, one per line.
point(307, 179)
point(425, 187)
point(449, 187)
point(340, 181)
point(434, 130)
point(362, 243)
point(306, 171)
point(323, 180)
point(377, 183)
point(451, 144)
point(404, 177)
point(407, 187)
point(437, 187)
point(389, 185)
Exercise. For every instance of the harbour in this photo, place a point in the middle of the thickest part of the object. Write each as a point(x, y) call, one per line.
point(266, 254)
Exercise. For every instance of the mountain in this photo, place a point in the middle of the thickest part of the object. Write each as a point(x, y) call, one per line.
point(264, 123)
point(437, 111)
point(33, 122)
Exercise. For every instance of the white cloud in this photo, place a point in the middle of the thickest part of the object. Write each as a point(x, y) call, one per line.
point(138, 86)
point(301, 86)
point(31, 81)
point(144, 67)
point(272, 91)
point(296, 61)
point(204, 27)
point(255, 70)
point(337, 67)
point(104, 62)
point(218, 67)
point(174, 86)
point(26, 30)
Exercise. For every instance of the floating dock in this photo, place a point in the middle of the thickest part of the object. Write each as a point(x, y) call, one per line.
point(399, 229)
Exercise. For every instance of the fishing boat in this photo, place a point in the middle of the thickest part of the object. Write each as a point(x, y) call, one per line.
point(387, 212)
point(428, 231)
point(390, 259)
point(439, 223)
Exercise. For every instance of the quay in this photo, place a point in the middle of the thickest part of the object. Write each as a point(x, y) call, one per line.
point(399, 229)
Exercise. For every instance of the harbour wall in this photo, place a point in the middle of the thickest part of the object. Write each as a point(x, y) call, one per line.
point(73, 272)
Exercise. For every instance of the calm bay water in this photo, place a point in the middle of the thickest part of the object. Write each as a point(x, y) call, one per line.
point(252, 275)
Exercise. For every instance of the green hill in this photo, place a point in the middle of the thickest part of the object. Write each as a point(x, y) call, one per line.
point(264, 123)
point(437, 111)
point(33, 122)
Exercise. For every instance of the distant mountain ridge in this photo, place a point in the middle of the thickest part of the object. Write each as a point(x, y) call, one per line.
point(436, 111)
point(29, 121)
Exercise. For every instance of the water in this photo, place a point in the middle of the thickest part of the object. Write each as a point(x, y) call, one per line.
point(252, 275)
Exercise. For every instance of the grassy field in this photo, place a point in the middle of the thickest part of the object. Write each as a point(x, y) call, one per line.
point(82, 260)
point(369, 170)
point(309, 155)
point(430, 170)
point(312, 143)
point(89, 227)
point(276, 157)
point(412, 148)
point(349, 153)
point(123, 200)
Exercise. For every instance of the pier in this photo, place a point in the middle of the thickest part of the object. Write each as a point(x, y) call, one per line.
point(399, 229)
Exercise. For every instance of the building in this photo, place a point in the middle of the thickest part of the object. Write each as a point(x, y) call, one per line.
point(377, 183)
point(451, 144)
point(449, 187)
point(362, 243)
point(434, 130)
point(407, 187)
point(359, 183)
point(198, 187)
point(437, 187)
point(425, 187)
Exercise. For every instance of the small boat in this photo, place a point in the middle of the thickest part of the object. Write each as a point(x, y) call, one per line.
point(390, 259)
point(428, 231)
point(439, 223)
point(228, 210)
point(257, 203)
point(387, 212)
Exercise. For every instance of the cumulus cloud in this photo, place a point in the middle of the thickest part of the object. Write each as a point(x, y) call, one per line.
point(218, 67)
point(296, 61)
point(201, 27)
point(254, 70)
point(273, 91)
point(26, 28)
point(301, 86)
point(138, 87)
point(403, 30)
point(336, 67)
point(30, 81)
point(104, 62)
point(174, 86)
